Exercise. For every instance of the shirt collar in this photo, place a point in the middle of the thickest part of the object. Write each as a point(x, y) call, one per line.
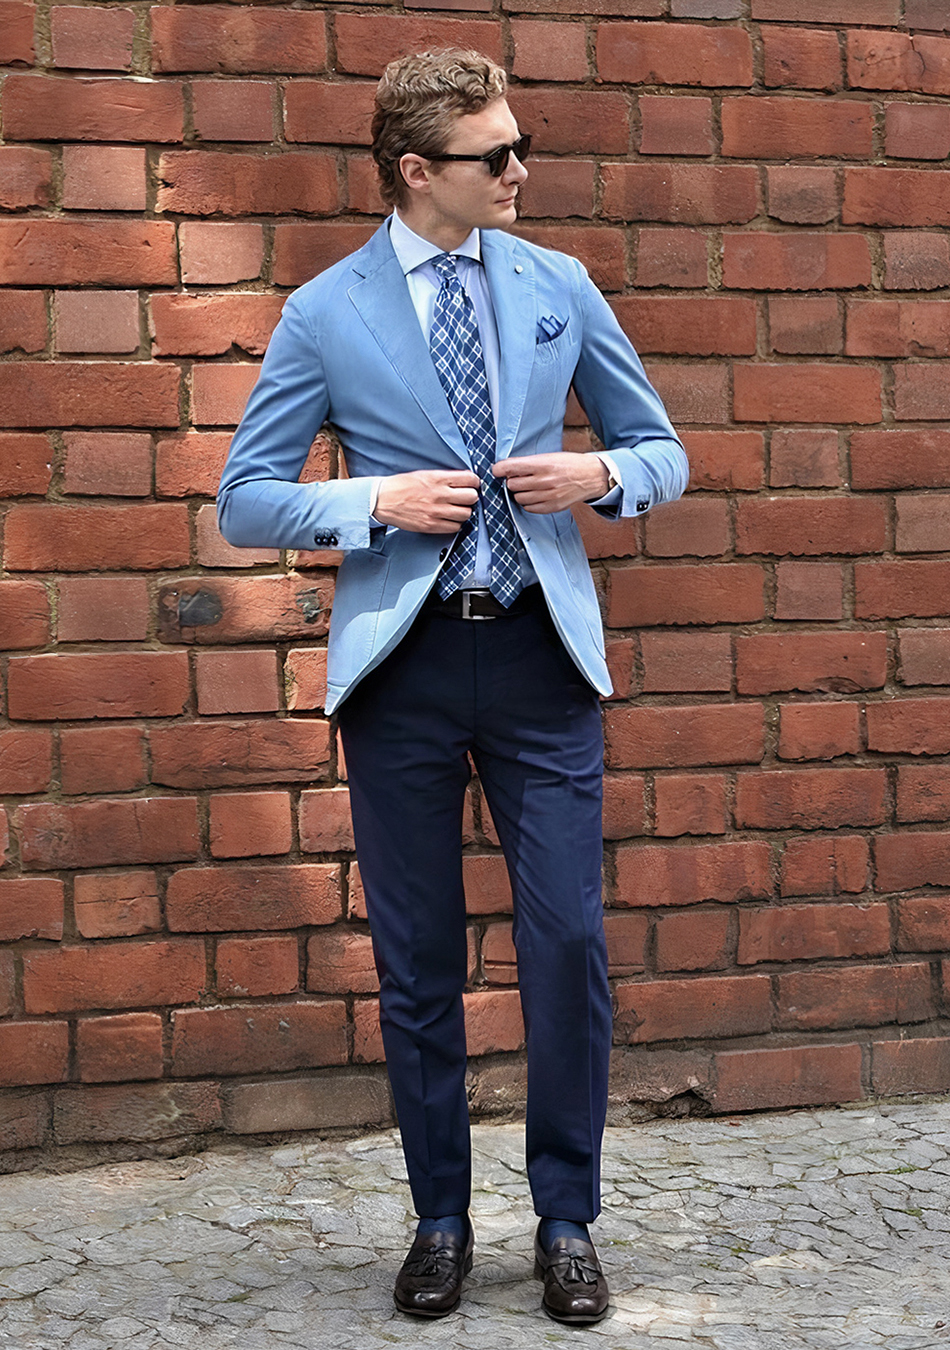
point(412, 250)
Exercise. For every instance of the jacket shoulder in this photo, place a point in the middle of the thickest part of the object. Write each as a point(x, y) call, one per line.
point(336, 279)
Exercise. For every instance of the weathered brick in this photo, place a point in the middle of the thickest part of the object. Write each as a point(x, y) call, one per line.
point(26, 462)
point(217, 252)
point(884, 12)
point(807, 393)
point(114, 684)
point(202, 183)
point(675, 126)
point(258, 1038)
point(921, 1064)
point(686, 662)
point(26, 759)
point(325, 824)
point(340, 961)
point(810, 799)
point(916, 260)
point(16, 34)
point(812, 932)
point(690, 804)
point(96, 393)
point(809, 591)
point(27, 177)
point(104, 178)
point(31, 907)
point(917, 130)
point(549, 51)
point(249, 824)
point(800, 325)
point(806, 1075)
point(901, 459)
point(694, 393)
point(680, 54)
point(909, 726)
point(24, 1115)
point(603, 251)
point(319, 1102)
point(33, 1052)
point(831, 865)
point(24, 612)
point(113, 975)
point(305, 677)
point(912, 858)
point(208, 325)
point(898, 61)
point(95, 39)
point(257, 967)
point(923, 792)
point(558, 188)
point(855, 997)
point(238, 39)
point(107, 833)
point(922, 523)
point(223, 899)
point(676, 737)
point(493, 1021)
point(795, 262)
point(801, 58)
point(366, 43)
point(234, 110)
point(138, 1111)
point(796, 128)
point(897, 328)
point(116, 904)
point(41, 108)
point(901, 197)
point(624, 809)
point(922, 393)
point(225, 754)
point(102, 759)
point(819, 730)
point(211, 609)
point(714, 325)
point(119, 1049)
point(925, 655)
point(236, 682)
point(839, 663)
point(693, 940)
point(689, 194)
point(924, 923)
point(650, 875)
point(108, 463)
point(685, 594)
point(804, 458)
point(802, 194)
point(671, 257)
point(811, 525)
point(667, 1010)
point(102, 609)
point(725, 460)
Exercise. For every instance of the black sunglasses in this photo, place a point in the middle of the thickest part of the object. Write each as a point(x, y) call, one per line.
point(497, 161)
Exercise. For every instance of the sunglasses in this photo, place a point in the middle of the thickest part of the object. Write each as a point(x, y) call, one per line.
point(497, 161)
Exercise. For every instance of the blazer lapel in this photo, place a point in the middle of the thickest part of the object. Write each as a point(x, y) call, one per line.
point(381, 297)
point(511, 281)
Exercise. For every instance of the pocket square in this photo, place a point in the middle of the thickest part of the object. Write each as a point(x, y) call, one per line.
point(549, 328)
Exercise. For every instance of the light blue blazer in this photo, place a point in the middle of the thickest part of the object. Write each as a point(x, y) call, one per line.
point(349, 350)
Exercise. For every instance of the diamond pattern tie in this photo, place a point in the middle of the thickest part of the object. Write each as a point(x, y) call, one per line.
point(457, 355)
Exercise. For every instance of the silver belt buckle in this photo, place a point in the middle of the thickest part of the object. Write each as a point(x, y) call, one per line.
point(467, 604)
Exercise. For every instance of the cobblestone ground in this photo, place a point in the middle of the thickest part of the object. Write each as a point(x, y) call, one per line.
point(814, 1228)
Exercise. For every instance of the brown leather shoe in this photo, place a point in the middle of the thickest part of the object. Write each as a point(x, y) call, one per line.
point(574, 1286)
point(430, 1281)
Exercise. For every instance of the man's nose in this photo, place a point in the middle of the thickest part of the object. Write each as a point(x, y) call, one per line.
point(516, 171)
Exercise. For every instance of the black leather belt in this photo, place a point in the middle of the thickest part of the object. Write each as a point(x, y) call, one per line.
point(481, 604)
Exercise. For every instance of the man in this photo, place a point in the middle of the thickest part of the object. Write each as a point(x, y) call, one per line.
point(465, 623)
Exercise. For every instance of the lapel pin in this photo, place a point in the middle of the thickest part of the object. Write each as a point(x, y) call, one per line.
point(519, 268)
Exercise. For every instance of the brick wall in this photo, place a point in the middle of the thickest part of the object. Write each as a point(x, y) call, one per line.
point(758, 185)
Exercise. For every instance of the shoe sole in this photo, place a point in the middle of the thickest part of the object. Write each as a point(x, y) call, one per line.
point(442, 1312)
point(582, 1321)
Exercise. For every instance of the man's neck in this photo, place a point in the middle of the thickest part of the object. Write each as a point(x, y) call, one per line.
point(440, 233)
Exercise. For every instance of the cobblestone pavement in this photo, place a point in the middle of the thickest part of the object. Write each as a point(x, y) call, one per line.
point(813, 1228)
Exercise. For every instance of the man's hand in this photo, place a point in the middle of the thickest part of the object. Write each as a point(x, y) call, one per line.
point(428, 501)
point(545, 483)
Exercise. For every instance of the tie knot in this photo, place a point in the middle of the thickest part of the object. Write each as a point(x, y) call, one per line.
point(444, 264)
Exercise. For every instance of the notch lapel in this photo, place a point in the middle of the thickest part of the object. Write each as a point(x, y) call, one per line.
point(381, 298)
point(513, 300)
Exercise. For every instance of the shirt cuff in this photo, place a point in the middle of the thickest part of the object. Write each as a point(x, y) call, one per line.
point(612, 497)
point(373, 498)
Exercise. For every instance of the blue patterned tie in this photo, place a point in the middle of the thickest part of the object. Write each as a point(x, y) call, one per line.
point(457, 355)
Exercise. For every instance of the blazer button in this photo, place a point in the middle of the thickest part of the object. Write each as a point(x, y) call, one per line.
point(643, 504)
point(443, 554)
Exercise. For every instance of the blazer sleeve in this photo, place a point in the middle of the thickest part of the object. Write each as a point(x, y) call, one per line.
point(626, 412)
point(260, 501)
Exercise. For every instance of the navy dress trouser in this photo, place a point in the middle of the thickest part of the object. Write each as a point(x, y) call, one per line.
point(506, 693)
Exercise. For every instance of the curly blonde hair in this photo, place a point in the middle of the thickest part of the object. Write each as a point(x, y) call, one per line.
point(417, 101)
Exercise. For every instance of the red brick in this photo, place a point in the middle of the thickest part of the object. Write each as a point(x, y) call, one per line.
point(689, 194)
point(898, 590)
point(623, 8)
point(839, 663)
point(827, 866)
point(23, 322)
point(236, 682)
point(33, 1052)
point(884, 12)
point(305, 677)
point(108, 464)
point(222, 899)
point(113, 975)
point(116, 904)
point(807, 393)
point(102, 609)
point(804, 458)
point(114, 684)
point(812, 932)
point(16, 33)
point(304, 249)
point(487, 888)
point(340, 961)
point(621, 656)
point(901, 197)
point(219, 392)
point(682, 325)
point(234, 110)
point(862, 997)
point(257, 967)
point(725, 460)
point(912, 858)
point(925, 655)
point(107, 833)
point(605, 538)
point(677, 737)
point(27, 176)
point(897, 328)
point(898, 61)
point(493, 1021)
point(681, 54)
point(549, 51)
point(87, 252)
point(924, 924)
point(201, 183)
point(237, 40)
point(923, 792)
point(249, 824)
point(649, 875)
point(102, 759)
point(91, 39)
point(325, 824)
point(808, 591)
point(810, 799)
point(675, 126)
point(367, 1038)
point(901, 459)
point(819, 730)
point(922, 523)
point(807, 1075)
point(104, 178)
point(602, 251)
point(499, 960)
point(626, 938)
point(922, 392)
point(624, 808)
point(558, 187)
point(926, 14)
point(190, 464)
point(25, 761)
point(224, 754)
point(31, 907)
point(573, 121)
point(795, 262)
point(24, 1115)
point(363, 186)
point(917, 130)
point(667, 1010)
point(368, 42)
point(691, 804)
point(692, 393)
point(805, 325)
point(24, 613)
point(684, 594)
point(136, 1111)
point(84, 393)
point(40, 108)
point(801, 194)
point(916, 261)
point(918, 1065)
point(697, 527)
point(686, 662)
point(671, 257)
point(220, 252)
point(258, 1038)
point(796, 128)
point(801, 58)
point(693, 940)
point(328, 114)
point(208, 325)
point(119, 1049)
point(909, 726)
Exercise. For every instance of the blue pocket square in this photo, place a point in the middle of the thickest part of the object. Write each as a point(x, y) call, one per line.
point(549, 328)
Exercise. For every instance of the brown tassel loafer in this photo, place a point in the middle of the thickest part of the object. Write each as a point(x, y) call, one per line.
point(430, 1281)
point(575, 1290)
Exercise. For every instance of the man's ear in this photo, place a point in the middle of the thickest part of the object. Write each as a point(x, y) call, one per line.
point(415, 172)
